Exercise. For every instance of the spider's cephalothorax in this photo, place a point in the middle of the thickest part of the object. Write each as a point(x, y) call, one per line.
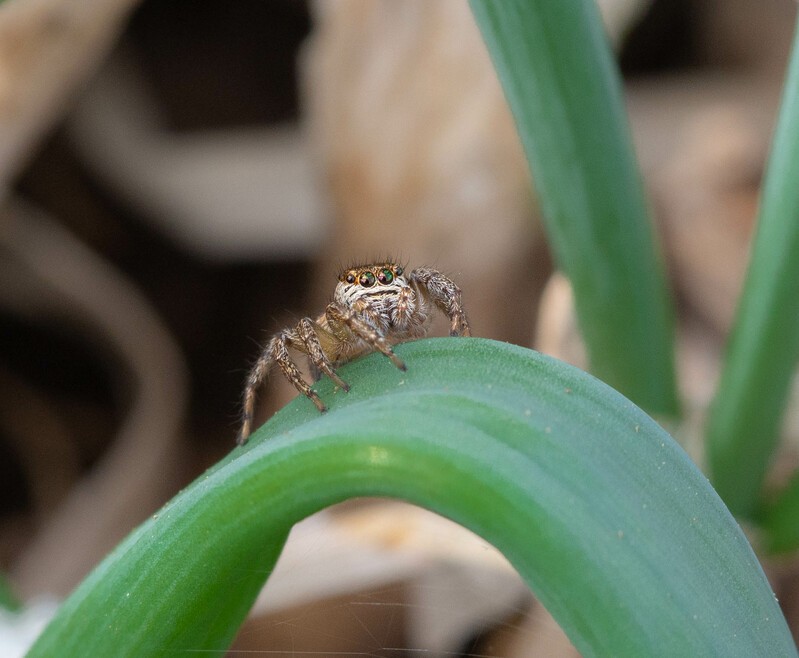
point(374, 307)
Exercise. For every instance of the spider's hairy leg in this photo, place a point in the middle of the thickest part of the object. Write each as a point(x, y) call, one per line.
point(347, 317)
point(308, 331)
point(446, 295)
point(276, 351)
point(256, 376)
point(289, 368)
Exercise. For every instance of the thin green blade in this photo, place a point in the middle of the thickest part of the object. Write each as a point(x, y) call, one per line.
point(744, 423)
point(564, 90)
point(605, 517)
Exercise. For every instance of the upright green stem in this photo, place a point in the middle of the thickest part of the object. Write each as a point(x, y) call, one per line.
point(563, 87)
point(745, 419)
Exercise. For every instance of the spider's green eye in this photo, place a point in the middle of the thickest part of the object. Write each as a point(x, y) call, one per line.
point(350, 278)
point(367, 279)
point(398, 270)
point(385, 276)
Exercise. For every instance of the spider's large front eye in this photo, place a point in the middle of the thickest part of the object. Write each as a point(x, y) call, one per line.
point(385, 276)
point(367, 279)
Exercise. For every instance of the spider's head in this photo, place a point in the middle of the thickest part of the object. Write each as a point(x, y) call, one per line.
point(380, 280)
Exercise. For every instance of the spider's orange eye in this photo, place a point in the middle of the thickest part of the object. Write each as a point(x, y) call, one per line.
point(385, 276)
point(398, 270)
point(367, 279)
point(350, 278)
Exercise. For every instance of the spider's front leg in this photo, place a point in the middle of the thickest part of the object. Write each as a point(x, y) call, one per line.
point(310, 331)
point(343, 316)
point(276, 351)
point(446, 295)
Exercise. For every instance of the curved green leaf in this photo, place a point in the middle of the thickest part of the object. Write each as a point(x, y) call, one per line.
point(564, 89)
point(605, 517)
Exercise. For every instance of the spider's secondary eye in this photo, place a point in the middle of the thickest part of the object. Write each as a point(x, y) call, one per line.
point(385, 276)
point(398, 270)
point(367, 279)
point(350, 278)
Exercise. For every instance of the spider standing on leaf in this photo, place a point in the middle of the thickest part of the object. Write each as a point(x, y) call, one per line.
point(374, 307)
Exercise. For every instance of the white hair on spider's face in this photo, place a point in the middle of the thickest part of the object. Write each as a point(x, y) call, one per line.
point(370, 281)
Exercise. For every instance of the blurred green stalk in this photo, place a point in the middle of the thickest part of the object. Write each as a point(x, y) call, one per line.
point(8, 600)
point(780, 521)
point(745, 418)
point(563, 87)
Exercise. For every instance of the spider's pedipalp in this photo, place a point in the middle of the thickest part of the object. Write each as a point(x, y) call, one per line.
point(406, 308)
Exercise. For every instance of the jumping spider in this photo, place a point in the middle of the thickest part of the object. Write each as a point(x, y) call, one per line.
point(374, 307)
